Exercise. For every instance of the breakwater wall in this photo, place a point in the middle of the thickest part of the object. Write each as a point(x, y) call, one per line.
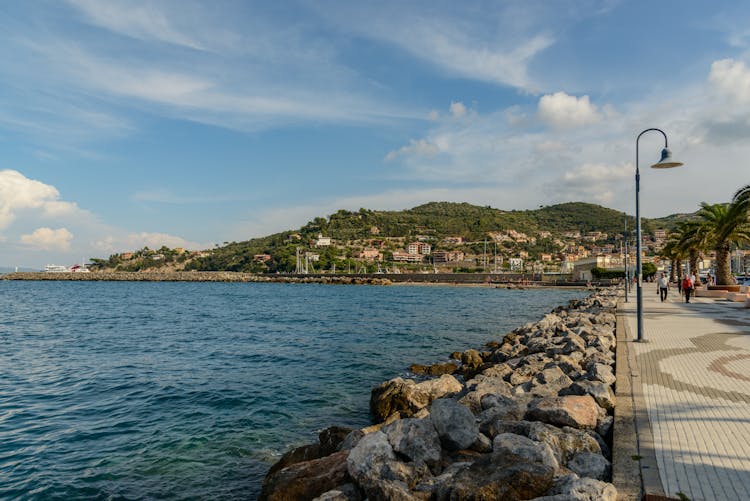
point(511, 280)
point(530, 415)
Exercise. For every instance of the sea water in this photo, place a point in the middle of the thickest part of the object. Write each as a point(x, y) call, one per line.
point(133, 390)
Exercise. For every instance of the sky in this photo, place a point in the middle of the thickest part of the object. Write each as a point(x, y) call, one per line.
point(186, 123)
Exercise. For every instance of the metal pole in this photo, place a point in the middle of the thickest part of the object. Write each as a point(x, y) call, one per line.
point(627, 275)
point(638, 263)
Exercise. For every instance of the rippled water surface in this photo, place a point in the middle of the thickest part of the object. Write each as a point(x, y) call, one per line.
point(191, 390)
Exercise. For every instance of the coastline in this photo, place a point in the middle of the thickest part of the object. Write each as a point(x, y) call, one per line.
point(528, 416)
point(509, 281)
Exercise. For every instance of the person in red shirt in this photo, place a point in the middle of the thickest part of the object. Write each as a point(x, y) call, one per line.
point(687, 287)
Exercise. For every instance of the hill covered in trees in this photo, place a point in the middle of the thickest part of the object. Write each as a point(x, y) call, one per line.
point(433, 222)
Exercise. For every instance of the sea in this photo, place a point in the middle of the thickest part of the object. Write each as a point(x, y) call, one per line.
point(166, 390)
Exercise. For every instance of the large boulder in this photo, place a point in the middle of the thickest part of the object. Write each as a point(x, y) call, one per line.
point(483, 385)
point(497, 476)
point(407, 397)
point(565, 442)
point(376, 469)
point(572, 488)
point(416, 439)
point(549, 382)
point(591, 465)
point(455, 424)
point(527, 450)
point(306, 480)
point(601, 392)
point(602, 372)
point(570, 410)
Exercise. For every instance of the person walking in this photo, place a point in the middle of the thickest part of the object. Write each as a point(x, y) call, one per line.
point(687, 286)
point(663, 284)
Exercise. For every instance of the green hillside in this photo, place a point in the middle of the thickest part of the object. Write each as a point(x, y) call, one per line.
point(433, 221)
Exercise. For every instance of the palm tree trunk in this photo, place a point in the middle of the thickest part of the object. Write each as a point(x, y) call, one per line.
point(723, 268)
point(693, 260)
point(672, 270)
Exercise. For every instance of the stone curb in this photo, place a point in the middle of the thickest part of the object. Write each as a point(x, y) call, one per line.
point(635, 472)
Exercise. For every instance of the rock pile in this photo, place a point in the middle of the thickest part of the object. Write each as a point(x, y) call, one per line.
point(530, 417)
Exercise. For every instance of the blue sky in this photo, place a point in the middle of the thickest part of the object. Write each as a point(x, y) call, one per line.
point(187, 123)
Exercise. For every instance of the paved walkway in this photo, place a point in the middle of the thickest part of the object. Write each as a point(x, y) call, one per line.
point(694, 373)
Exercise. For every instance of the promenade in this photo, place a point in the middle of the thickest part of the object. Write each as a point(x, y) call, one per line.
point(689, 386)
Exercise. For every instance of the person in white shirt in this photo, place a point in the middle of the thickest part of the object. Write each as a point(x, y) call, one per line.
point(663, 284)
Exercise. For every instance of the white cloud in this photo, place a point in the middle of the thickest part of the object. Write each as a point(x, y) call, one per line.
point(457, 109)
point(731, 78)
point(17, 192)
point(133, 241)
point(48, 239)
point(563, 111)
point(138, 21)
point(591, 181)
point(420, 147)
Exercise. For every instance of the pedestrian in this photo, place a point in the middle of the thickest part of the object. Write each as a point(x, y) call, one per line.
point(679, 285)
point(663, 285)
point(687, 286)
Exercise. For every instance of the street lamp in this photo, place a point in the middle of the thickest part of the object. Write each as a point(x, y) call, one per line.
point(627, 276)
point(666, 162)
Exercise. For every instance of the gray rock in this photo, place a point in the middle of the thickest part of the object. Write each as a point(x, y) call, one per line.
point(525, 449)
point(351, 440)
point(564, 442)
point(601, 392)
point(416, 439)
point(494, 476)
point(549, 382)
point(602, 372)
point(502, 370)
point(604, 426)
point(374, 467)
point(482, 444)
point(585, 489)
point(483, 385)
point(594, 356)
point(366, 459)
point(455, 424)
point(346, 492)
point(407, 397)
point(591, 465)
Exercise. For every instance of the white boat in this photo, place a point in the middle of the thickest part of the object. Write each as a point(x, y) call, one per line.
point(56, 268)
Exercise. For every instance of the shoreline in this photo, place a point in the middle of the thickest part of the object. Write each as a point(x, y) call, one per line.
point(422, 279)
point(531, 415)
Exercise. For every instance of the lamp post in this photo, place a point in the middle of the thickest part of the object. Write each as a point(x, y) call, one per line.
point(665, 162)
point(627, 276)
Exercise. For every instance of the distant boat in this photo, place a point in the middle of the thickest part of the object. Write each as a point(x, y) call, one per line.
point(56, 268)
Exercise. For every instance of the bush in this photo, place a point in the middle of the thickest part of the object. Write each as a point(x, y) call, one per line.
point(604, 274)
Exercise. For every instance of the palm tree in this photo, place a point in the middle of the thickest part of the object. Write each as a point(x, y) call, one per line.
point(692, 238)
point(675, 254)
point(725, 225)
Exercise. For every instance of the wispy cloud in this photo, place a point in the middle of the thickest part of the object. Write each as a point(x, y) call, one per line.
point(142, 21)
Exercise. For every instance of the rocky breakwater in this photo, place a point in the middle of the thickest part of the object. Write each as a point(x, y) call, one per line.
point(529, 417)
point(195, 276)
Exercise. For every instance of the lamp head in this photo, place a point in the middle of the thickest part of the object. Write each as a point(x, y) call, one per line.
point(666, 161)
